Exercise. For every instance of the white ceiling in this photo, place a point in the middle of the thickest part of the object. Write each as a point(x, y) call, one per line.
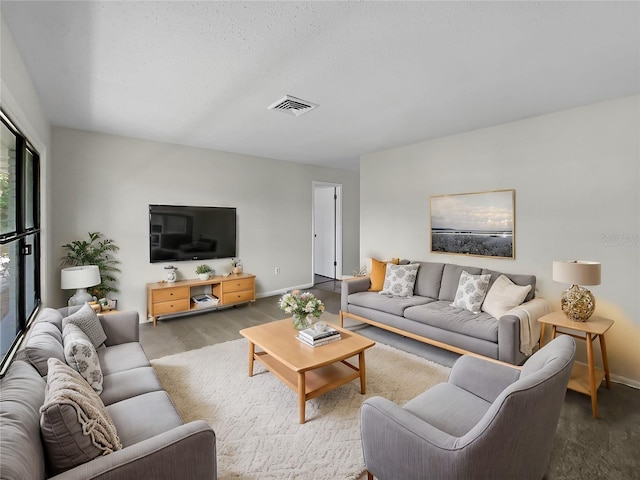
point(384, 73)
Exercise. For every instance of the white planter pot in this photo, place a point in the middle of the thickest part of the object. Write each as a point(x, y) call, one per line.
point(203, 276)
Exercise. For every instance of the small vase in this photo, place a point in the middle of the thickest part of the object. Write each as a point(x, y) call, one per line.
point(300, 322)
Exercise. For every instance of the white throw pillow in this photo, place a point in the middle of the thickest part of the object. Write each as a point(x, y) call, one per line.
point(90, 324)
point(399, 280)
point(503, 296)
point(81, 355)
point(471, 291)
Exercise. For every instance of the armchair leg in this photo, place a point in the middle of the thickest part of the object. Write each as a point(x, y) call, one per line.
point(369, 475)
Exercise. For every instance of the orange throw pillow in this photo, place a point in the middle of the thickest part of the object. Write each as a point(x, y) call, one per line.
point(378, 272)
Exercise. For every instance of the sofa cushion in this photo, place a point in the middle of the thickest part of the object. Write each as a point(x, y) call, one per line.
point(471, 291)
point(442, 315)
point(518, 279)
point(130, 383)
point(383, 303)
point(400, 280)
point(51, 315)
point(87, 319)
point(75, 424)
point(21, 395)
point(378, 272)
point(503, 296)
point(451, 278)
point(81, 355)
point(429, 279)
point(142, 417)
point(119, 358)
point(44, 342)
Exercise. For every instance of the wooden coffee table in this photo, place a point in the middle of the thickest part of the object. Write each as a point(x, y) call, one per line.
point(309, 371)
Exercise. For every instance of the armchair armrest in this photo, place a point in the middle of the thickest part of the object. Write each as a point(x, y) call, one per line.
point(187, 451)
point(121, 327)
point(353, 285)
point(483, 378)
point(397, 444)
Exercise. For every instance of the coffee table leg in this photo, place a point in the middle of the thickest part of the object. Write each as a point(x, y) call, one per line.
point(252, 350)
point(363, 373)
point(302, 400)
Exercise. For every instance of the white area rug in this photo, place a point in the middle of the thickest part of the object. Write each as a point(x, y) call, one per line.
point(256, 419)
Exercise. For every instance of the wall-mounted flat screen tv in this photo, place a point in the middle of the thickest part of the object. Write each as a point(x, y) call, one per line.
point(178, 232)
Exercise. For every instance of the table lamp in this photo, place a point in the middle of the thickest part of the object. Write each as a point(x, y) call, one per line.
point(577, 302)
point(80, 278)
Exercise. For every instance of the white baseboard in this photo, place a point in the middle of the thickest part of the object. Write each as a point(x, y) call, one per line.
point(620, 379)
point(283, 290)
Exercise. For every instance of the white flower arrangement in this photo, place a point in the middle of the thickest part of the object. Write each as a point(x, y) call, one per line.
point(301, 304)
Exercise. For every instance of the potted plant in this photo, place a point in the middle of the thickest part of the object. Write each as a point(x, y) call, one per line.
point(203, 271)
point(96, 251)
point(236, 264)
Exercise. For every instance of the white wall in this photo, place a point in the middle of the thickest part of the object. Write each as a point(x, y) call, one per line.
point(577, 179)
point(105, 183)
point(20, 101)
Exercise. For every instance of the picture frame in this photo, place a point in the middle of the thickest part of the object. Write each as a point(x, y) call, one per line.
point(474, 224)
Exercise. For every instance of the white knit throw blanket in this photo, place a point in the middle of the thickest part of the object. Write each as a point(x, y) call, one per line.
point(65, 386)
point(529, 313)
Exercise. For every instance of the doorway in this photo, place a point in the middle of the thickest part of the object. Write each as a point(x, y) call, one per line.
point(327, 232)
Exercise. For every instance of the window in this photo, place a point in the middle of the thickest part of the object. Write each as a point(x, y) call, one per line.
point(19, 238)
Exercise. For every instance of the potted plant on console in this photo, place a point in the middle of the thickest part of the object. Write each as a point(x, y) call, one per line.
point(204, 271)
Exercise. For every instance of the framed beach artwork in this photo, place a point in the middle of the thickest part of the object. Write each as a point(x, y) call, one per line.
point(479, 224)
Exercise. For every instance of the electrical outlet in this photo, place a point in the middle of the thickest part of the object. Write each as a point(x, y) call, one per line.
point(277, 271)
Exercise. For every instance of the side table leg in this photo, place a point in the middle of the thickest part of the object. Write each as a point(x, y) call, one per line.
point(542, 334)
point(605, 360)
point(252, 351)
point(593, 388)
point(302, 397)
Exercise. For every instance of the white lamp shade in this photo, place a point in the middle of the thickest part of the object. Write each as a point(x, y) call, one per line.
point(79, 277)
point(577, 272)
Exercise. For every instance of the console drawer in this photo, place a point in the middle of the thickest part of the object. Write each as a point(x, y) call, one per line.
point(167, 294)
point(237, 297)
point(172, 306)
point(238, 285)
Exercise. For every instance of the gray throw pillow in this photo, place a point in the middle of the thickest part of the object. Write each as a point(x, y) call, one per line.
point(74, 423)
point(399, 280)
point(89, 323)
point(471, 291)
point(81, 355)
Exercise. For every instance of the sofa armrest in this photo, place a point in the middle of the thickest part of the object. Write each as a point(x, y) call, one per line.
point(483, 378)
point(187, 451)
point(121, 327)
point(397, 444)
point(353, 285)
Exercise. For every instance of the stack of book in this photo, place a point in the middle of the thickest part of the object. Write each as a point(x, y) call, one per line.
point(315, 338)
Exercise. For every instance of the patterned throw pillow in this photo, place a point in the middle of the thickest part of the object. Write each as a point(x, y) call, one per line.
point(82, 356)
point(88, 321)
point(471, 291)
point(399, 280)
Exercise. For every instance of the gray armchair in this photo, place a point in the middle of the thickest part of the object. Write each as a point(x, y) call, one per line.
point(489, 421)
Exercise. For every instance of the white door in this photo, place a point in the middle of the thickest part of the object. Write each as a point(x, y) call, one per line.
point(324, 228)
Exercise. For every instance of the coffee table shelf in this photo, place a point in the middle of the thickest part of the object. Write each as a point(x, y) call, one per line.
point(318, 381)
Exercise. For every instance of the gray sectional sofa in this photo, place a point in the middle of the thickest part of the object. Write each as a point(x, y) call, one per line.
point(155, 441)
point(429, 317)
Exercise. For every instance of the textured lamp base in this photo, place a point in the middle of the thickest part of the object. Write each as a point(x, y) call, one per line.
point(577, 303)
point(80, 298)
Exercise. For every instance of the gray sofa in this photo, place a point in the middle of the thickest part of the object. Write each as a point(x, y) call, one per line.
point(155, 441)
point(427, 316)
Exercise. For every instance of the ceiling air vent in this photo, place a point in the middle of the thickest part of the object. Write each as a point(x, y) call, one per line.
point(293, 105)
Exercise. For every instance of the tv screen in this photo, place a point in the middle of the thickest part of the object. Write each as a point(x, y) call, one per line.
point(191, 233)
